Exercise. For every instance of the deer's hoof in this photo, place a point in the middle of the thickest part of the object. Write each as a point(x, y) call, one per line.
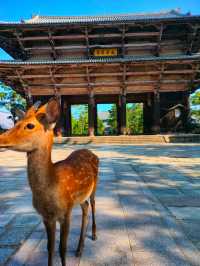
point(94, 237)
point(78, 253)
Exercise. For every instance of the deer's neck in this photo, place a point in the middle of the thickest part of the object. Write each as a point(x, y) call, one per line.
point(40, 168)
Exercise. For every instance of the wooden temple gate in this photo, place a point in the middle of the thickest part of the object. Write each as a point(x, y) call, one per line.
point(151, 58)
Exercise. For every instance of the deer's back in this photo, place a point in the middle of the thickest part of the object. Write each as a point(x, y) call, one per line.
point(76, 176)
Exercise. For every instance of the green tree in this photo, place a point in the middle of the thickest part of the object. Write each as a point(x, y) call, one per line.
point(134, 118)
point(112, 120)
point(100, 127)
point(80, 123)
point(195, 105)
point(195, 98)
point(11, 99)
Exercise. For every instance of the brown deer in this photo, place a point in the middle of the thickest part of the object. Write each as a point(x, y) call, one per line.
point(56, 187)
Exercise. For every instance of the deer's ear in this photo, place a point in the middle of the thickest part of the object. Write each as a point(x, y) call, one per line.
point(52, 110)
point(49, 113)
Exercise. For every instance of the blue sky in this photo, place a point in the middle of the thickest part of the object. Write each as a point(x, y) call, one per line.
point(15, 10)
point(12, 10)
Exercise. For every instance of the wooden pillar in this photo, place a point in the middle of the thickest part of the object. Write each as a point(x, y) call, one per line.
point(91, 115)
point(186, 110)
point(59, 125)
point(63, 119)
point(28, 97)
point(95, 120)
point(67, 119)
point(121, 116)
point(147, 115)
point(156, 112)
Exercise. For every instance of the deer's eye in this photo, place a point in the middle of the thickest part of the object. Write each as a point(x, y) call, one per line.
point(30, 126)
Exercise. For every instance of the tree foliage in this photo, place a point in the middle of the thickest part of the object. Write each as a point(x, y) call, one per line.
point(195, 98)
point(100, 127)
point(80, 123)
point(134, 118)
point(11, 99)
point(195, 106)
point(112, 120)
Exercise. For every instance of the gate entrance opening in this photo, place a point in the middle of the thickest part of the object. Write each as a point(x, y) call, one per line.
point(134, 118)
point(79, 119)
point(107, 119)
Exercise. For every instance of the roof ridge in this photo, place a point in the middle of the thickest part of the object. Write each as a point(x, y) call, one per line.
point(164, 14)
point(175, 11)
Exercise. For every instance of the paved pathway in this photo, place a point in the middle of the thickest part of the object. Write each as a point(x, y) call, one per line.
point(148, 209)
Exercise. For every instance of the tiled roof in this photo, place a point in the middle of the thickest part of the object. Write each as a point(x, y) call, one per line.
point(80, 60)
point(172, 14)
point(81, 19)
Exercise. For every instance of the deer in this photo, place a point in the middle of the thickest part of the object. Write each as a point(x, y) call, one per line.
point(56, 187)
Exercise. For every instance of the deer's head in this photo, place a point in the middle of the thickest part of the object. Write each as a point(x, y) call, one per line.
point(34, 129)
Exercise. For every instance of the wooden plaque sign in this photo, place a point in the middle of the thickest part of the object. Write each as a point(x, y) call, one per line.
point(105, 52)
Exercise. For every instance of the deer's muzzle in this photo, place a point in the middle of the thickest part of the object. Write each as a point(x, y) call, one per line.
point(5, 140)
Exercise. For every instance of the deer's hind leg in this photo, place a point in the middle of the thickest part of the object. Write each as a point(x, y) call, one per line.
point(84, 207)
point(92, 202)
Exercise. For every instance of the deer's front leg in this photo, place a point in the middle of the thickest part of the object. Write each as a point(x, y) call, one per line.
point(51, 230)
point(64, 231)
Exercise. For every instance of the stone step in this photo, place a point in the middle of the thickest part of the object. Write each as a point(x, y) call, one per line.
point(136, 139)
point(112, 139)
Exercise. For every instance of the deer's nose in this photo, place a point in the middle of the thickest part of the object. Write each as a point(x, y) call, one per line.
point(4, 140)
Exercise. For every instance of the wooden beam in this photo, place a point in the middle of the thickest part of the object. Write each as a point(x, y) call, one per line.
point(52, 77)
point(91, 36)
point(26, 89)
point(158, 47)
point(52, 44)
point(123, 40)
point(16, 33)
point(106, 90)
point(135, 45)
point(88, 77)
point(192, 38)
point(124, 81)
point(23, 83)
point(110, 84)
point(99, 35)
point(111, 74)
point(79, 47)
point(21, 45)
point(87, 41)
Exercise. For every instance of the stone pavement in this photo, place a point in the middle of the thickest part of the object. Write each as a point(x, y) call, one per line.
point(148, 209)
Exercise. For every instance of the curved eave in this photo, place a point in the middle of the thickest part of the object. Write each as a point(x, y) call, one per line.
point(101, 60)
point(101, 20)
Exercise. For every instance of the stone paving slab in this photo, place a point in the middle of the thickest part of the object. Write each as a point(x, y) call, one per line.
point(186, 212)
point(148, 209)
point(181, 201)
